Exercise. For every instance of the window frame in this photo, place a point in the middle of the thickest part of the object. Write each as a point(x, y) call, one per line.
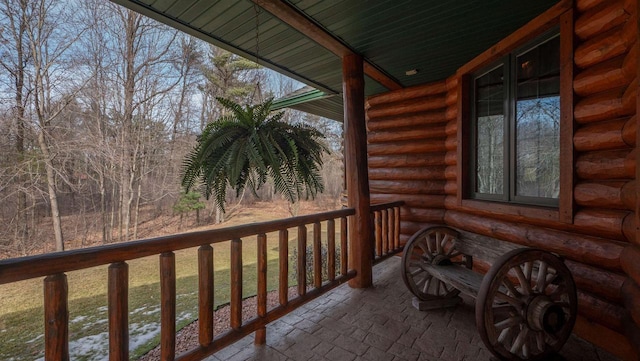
point(562, 17)
point(509, 66)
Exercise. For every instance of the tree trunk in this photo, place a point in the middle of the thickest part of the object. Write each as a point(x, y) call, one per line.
point(51, 188)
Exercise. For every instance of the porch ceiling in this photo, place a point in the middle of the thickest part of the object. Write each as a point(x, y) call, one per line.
point(433, 36)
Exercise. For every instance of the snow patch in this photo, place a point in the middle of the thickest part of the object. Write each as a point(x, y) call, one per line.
point(78, 319)
point(36, 338)
point(141, 334)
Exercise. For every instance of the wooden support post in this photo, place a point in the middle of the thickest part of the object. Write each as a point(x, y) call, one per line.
point(118, 301)
point(167, 306)
point(284, 267)
point(236, 283)
point(302, 260)
point(56, 318)
point(331, 250)
point(205, 295)
point(317, 255)
point(355, 153)
point(261, 333)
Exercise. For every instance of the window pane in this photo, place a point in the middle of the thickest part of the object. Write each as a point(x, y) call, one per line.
point(538, 121)
point(489, 112)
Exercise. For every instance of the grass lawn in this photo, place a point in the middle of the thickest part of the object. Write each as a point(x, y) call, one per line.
point(21, 308)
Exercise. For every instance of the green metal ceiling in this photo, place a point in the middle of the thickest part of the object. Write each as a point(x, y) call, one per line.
point(434, 36)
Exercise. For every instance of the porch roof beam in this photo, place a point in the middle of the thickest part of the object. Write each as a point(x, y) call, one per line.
point(294, 18)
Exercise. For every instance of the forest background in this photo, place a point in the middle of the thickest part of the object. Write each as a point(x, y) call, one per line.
point(98, 107)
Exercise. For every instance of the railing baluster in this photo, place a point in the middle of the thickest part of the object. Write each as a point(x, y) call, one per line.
point(118, 293)
point(343, 247)
point(396, 238)
point(284, 266)
point(236, 283)
point(331, 249)
point(261, 333)
point(378, 233)
point(317, 255)
point(167, 306)
point(385, 231)
point(392, 233)
point(302, 260)
point(205, 295)
point(56, 318)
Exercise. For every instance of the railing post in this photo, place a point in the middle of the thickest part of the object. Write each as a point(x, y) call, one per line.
point(378, 232)
point(261, 333)
point(118, 291)
point(302, 260)
point(396, 235)
point(167, 306)
point(317, 255)
point(344, 254)
point(236, 283)
point(331, 249)
point(385, 231)
point(205, 295)
point(357, 180)
point(284, 266)
point(56, 318)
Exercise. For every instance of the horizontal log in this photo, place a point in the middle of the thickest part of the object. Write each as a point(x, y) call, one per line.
point(406, 147)
point(600, 19)
point(451, 158)
point(406, 186)
point(411, 200)
point(452, 83)
point(586, 5)
point(409, 227)
point(629, 227)
point(630, 64)
point(586, 249)
point(629, 131)
point(603, 337)
point(406, 160)
point(606, 194)
point(408, 120)
point(602, 222)
point(451, 143)
point(407, 93)
point(609, 164)
point(408, 106)
point(451, 128)
point(429, 173)
point(406, 134)
point(452, 98)
point(601, 136)
point(422, 215)
point(605, 76)
point(602, 283)
point(630, 262)
point(451, 113)
point(629, 97)
point(631, 296)
point(602, 106)
point(451, 188)
point(607, 45)
point(451, 172)
point(600, 311)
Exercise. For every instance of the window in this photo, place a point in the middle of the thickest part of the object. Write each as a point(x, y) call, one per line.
point(515, 132)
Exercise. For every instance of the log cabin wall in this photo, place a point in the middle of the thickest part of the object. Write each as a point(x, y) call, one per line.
point(414, 154)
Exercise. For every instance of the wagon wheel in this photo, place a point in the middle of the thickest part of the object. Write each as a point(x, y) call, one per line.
point(526, 306)
point(434, 245)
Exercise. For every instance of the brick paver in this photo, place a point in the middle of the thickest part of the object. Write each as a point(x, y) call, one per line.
point(379, 324)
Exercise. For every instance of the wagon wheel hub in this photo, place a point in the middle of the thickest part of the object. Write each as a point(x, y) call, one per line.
point(542, 314)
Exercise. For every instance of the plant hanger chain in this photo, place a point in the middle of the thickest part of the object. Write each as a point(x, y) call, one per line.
point(257, 89)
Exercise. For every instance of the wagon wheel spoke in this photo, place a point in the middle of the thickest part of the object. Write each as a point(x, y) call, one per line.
point(509, 322)
point(525, 284)
point(511, 288)
point(541, 280)
point(510, 300)
point(540, 341)
point(519, 341)
point(425, 251)
point(425, 289)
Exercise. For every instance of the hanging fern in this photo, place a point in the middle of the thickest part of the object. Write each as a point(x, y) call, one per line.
point(247, 146)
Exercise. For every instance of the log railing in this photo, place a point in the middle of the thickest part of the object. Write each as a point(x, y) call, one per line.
point(54, 266)
point(386, 223)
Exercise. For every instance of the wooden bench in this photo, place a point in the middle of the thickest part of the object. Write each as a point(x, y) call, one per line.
point(526, 304)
